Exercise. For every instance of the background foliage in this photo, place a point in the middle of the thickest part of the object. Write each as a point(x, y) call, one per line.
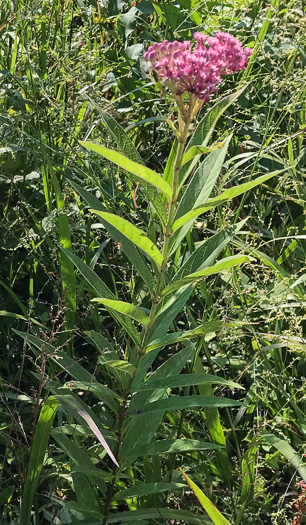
point(71, 71)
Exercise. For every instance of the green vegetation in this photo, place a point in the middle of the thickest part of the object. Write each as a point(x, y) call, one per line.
point(147, 355)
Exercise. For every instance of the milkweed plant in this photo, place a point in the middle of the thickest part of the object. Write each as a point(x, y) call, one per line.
point(189, 72)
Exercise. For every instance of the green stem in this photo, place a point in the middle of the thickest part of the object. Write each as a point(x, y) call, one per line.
point(167, 231)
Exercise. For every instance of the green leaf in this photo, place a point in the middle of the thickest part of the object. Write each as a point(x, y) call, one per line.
point(6, 494)
point(180, 403)
point(128, 247)
point(67, 268)
point(203, 181)
point(38, 451)
point(76, 406)
point(204, 255)
point(205, 128)
point(170, 446)
point(207, 505)
point(168, 172)
point(81, 461)
point(199, 150)
point(205, 329)
point(125, 308)
point(224, 264)
point(134, 234)
point(140, 431)
point(224, 197)
point(126, 146)
point(157, 513)
point(102, 290)
point(144, 489)
point(288, 451)
point(139, 170)
point(214, 426)
point(167, 313)
point(183, 380)
point(123, 366)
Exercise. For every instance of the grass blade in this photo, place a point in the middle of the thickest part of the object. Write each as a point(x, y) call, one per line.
point(39, 447)
point(207, 505)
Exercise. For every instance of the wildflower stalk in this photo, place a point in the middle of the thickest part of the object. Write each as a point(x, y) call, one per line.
point(185, 121)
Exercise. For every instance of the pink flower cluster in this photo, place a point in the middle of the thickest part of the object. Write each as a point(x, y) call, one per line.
point(197, 71)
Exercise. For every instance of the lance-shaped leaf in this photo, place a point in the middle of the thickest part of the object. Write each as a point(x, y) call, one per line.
point(38, 451)
point(208, 506)
point(199, 150)
point(225, 196)
point(143, 489)
point(71, 402)
point(183, 380)
point(156, 513)
point(185, 335)
point(134, 234)
point(182, 402)
point(133, 167)
point(288, 451)
point(171, 446)
point(224, 264)
point(125, 308)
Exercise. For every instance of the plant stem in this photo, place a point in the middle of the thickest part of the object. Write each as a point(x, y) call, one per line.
point(167, 230)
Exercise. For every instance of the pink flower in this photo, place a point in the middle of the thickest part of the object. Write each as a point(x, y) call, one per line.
point(197, 71)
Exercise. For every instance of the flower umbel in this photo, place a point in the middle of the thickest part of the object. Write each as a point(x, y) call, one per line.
point(197, 71)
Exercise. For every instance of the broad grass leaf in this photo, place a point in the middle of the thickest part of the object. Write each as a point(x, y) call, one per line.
point(133, 234)
point(182, 380)
point(157, 513)
point(224, 264)
point(4, 313)
point(224, 197)
point(139, 170)
point(181, 403)
point(144, 489)
point(100, 288)
point(128, 247)
point(171, 446)
point(132, 311)
point(66, 266)
point(208, 506)
point(288, 451)
point(248, 475)
point(185, 335)
point(38, 451)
